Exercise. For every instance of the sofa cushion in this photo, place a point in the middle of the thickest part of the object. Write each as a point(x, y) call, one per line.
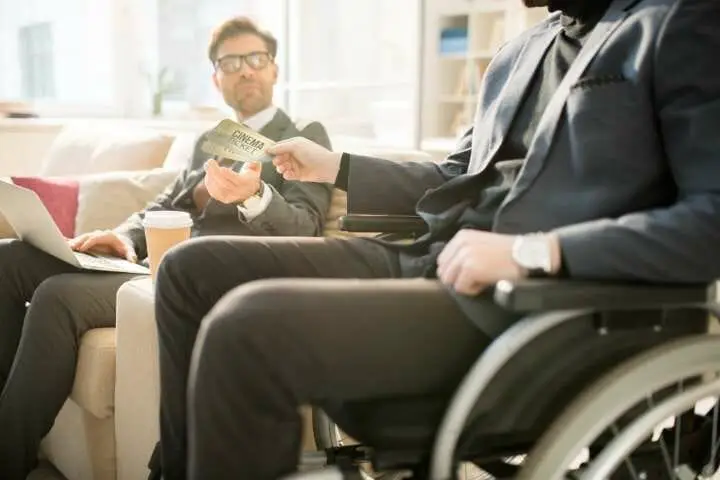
point(87, 148)
point(107, 199)
point(60, 197)
point(83, 203)
point(94, 387)
point(181, 151)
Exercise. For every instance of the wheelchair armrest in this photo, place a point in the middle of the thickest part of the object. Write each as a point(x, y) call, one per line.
point(553, 294)
point(402, 224)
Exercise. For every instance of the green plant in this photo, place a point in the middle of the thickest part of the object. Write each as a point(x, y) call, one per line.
point(161, 84)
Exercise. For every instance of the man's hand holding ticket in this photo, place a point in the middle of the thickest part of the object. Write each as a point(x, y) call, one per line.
point(237, 142)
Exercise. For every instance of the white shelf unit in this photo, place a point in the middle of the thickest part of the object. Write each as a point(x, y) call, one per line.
point(451, 80)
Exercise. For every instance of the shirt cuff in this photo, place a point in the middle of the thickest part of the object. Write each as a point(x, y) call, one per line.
point(252, 207)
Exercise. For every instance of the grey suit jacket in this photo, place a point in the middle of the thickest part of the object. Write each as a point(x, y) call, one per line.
point(296, 208)
point(625, 164)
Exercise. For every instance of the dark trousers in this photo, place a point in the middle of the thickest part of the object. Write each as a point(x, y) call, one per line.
point(251, 328)
point(39, 343)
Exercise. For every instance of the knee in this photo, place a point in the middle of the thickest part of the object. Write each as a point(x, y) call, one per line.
point(181, 281)
point(55, 289)
point(175, 266)
point(53, 297)
point(256, 312)
point(174, 257)
point(190, 256)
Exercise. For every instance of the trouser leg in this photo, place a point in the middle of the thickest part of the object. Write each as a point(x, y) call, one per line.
point(22, 268)
point(62, 309)
point(270, 346)
point(195, 275)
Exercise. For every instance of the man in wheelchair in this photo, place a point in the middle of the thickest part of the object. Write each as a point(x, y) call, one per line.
point(594, 157)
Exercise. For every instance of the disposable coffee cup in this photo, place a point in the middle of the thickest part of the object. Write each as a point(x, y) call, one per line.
point(163, 230)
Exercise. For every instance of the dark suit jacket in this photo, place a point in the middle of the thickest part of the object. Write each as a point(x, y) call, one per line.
point(625, 164)
point(296, 209)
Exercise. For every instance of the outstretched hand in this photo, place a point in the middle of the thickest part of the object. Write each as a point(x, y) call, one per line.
point(228, 186)
point(303, 160)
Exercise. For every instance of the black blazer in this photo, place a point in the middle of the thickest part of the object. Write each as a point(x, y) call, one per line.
point(625, 164)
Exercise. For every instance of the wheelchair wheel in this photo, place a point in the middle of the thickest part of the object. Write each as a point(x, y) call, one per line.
point(599, 422)
point(614, 455)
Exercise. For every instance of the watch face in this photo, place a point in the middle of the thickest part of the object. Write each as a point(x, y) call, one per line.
point(532, 253)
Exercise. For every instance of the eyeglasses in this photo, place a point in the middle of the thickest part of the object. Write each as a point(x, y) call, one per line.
point(234, 63)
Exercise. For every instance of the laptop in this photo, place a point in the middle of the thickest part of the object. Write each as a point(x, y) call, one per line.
point(33, 224)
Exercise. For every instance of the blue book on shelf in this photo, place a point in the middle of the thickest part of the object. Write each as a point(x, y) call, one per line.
point(453, 41)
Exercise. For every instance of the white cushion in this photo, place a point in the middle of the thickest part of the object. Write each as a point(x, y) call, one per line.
point(181, 151)
point(88, 148)
point(107, 199)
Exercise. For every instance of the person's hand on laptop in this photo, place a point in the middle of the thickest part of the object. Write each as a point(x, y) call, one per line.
point(104, 242)
point(228, 186)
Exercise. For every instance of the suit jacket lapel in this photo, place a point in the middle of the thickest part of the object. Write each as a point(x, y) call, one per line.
point(548, 124)
point(276, 127)
point(489, 135)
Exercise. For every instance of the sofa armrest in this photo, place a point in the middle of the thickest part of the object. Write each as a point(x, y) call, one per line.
point(553, 294)
point(137, 385)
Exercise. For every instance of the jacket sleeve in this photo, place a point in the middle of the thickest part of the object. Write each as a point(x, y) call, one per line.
point(678, 243)
point(384, 187)
point(298, 208)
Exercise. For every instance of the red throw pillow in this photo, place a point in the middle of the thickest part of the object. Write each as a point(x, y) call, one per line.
point(60, 197)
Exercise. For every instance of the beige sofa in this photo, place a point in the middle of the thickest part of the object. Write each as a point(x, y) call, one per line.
point(108, 426)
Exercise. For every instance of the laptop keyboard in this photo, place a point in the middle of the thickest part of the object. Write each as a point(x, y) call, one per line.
point(105, 263)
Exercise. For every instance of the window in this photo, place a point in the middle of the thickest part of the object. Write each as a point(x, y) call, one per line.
point(184, 30)
point(54, 53)
point(351, 64)
point(36, 61)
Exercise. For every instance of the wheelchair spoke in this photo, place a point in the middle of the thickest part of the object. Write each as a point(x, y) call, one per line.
point(663, 446)
point(628, 463)
point(710, 468)
point(678, 428)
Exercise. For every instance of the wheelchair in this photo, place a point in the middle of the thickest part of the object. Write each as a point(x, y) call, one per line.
point(597, 381)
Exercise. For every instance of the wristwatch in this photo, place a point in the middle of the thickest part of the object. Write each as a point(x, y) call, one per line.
point(255, 199)
point(533, 253)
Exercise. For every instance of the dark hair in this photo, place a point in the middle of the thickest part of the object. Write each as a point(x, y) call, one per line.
point(235, 27)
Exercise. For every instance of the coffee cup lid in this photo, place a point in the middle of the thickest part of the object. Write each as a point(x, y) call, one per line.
point(167, 219)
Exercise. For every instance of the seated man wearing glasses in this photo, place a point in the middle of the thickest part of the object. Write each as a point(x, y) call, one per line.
point(39, 344)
